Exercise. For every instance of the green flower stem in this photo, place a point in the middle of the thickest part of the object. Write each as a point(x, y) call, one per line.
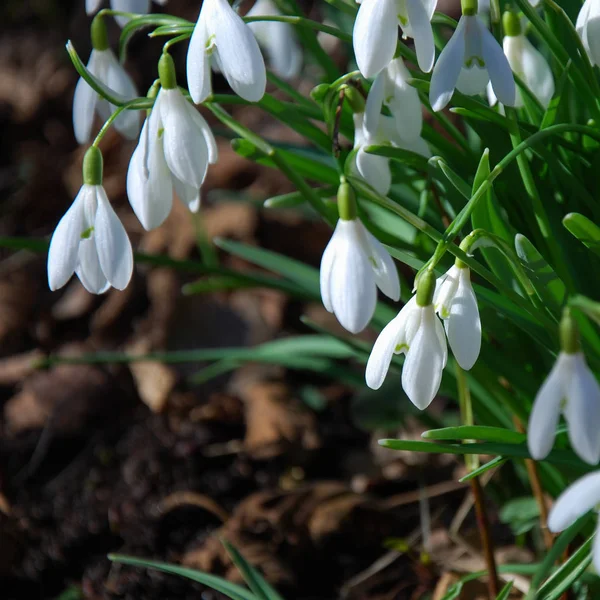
point(133, 105)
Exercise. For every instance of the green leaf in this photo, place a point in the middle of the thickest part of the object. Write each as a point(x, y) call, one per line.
point(498, 461)
point(409, 159)
point(251, 576)
point(231, 590)
point(505, 592)
point(587, 232)
point(476, 432)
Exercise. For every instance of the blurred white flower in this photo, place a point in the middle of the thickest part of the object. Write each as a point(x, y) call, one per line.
point(579, 498)
point(140, 7)
point(222, 36)
point(418, 333)
point(175, 148)
point(103, 64)
point(375, 32)
point(588, 28)
point(89, 240)
point(572, 389)
point(469, 60)
point(353, 266)
point(455, 302)
point(278, 39)
point(391, 88)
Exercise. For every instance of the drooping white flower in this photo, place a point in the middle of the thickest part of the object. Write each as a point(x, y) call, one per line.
point(572, 389)
point(469, 60)
point(103, 64)
point(222, 36)
point(175, 148)
point(353, 266)
point(455, 302)
point(418, 333)
point(140, 7)
point(278, 39)
point(90, 240)
point(375, 32)
point(588, 28)
point(579, 498)
point(391, 88)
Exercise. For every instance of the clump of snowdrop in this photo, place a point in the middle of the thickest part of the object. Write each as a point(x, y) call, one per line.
point(375, 32)
point(175, 148)
point(572, 389)
point(278, 39)
point(353, 266)
point(588, 28)
point(419, 334)
point(90, 240)
point(103, 64)
point(221, 37)
point(455, 302)
point(526, 62)
point(141, 7)
point(469, 61)
point(579, 498)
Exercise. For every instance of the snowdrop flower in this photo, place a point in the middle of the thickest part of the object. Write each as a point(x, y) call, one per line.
point(526, 62)
point(455, 302)
point(469, 60)
point(89, 240)
point(375, 32)
point(103, 64)
point(418, 333)
point(353, 266)
point(579, 498)
point(175, 148)
point(140, 7)
point(221, 35)
point(588, 28)
point(572, 389)
point(391, 88)
point(278, 39)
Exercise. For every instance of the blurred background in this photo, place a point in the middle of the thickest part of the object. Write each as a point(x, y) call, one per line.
point(147, 459)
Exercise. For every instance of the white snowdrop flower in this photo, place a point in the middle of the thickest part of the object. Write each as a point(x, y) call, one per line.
point(353, 266)
point(588, 28)
point(418, 333)
point(469, 60)
point(222, 36)
point(572, 389)
point(391, 88)
point(375, 32)
point(455, 302)
point(278, 39)
point(103, 64)
point(140, 7)
point(90, 240)
point(175, 148)
point(579, 498)
point(527, 62)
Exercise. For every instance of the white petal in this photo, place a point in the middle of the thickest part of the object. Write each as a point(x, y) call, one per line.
point(472, 81)
point(498, 68)
point(546, 408)
point(375, 170)
point(596, 549)
point(463, 326)
point(91, 6)
point(198, 60)
point(445, 290)
point(112, 244)
point(133, 6)
point(386, 274)
point(430, 6)
point(186, 152)
point(447, 69)
point(383, 350)
point(592, 32)
point(239, 55)
point(375, 102)
point(149, 186)
point(353, 292)
point(422, 371)
point(583, 15)
point(537, 73)
point(84, 102)
point(404, 103)
point(422, 34)
point(439, 330)
point(375, 35)
point(89, 270)
point(583, 411)
point(64, 245)
point(575, 501)
point(128, 122)
point(325, 271)
point(205, 130)
point(188, 194)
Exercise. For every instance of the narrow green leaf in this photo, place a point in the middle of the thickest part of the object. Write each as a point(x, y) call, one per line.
point(587, 232)
point(505, 592)
point(498, 461)
point(178, 26)
point(406, 157)
point(475, 432)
